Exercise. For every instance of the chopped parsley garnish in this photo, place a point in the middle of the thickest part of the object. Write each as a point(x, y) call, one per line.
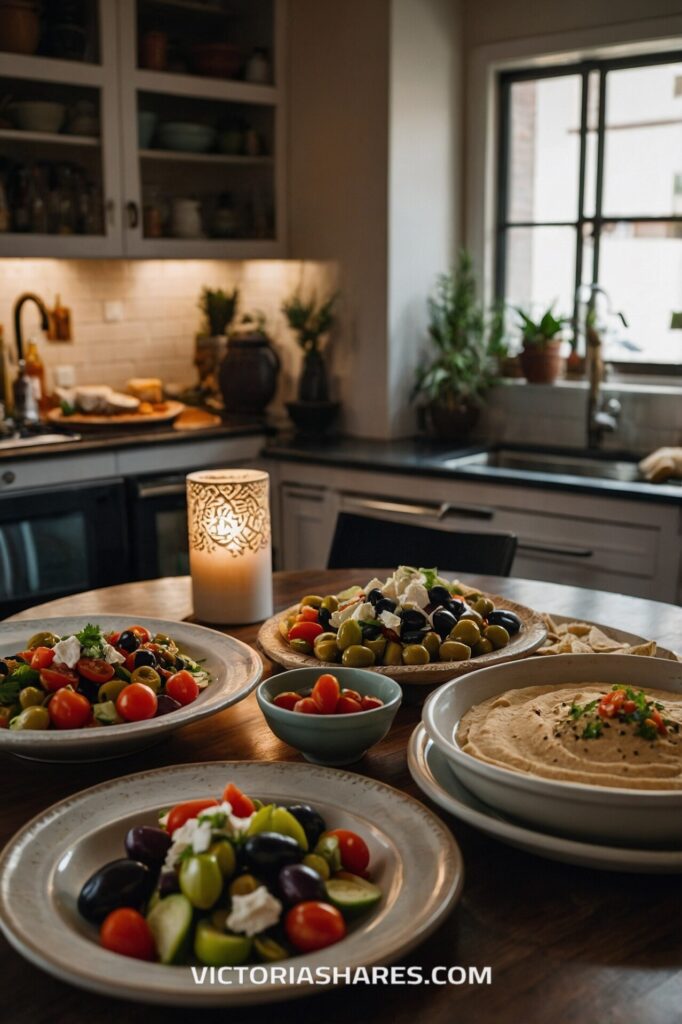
point(623, 705)
point(91, 640)
point(593, 729)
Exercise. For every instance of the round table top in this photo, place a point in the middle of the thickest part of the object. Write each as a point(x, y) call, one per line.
point(563, 943)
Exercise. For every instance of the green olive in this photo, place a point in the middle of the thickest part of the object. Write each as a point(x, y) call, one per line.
point(471, 615)
point(31, 718)
point(111, 690)
point(201, 880)
point(223, 851)
point(31, 696)
point(454, 650)
point(42, 640)
point(484, 606)
point(301, 646)
point(349, 634)
point(498, 636)
point(431, 641)
point(483, 646)
point(467, 632)
point(358, 656)
point(243, 885)
point(415, 654)
point(326, 648)
point(377, 647)
point(317, 863)
point(147, 675)
point(311, 600)
point(269, 949)
point(163, 639)
point(393, 655)
point(330, 603)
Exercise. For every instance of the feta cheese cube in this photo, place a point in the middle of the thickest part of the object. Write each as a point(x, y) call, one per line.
point(67, 652)
point(391, 621)
point(254, 913)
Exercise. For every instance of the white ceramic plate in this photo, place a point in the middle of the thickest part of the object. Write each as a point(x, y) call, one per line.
point(234, 667)
point(614, 815)
point(429, 769)
point(414, 859)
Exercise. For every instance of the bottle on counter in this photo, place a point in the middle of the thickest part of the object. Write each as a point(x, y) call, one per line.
point(60, 322)
point(35, 371)
point(25, 407)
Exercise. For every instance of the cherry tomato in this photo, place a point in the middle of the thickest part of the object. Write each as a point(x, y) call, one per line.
point(307, 614)
point(182, 687)
point(69, 710)
point(95, 669)
point(136, 702)
point(353, 694)
point(354, 851)
point(112, 638)
point(629, 706)
point(312, 925)
point(57, 676)
point(658, 722)
point(25, 656)
point(369, 703)
point(125, 931)
point(347, 706)
point(5, 715)
point(242, 805)
point(326, 693)
point(305, 631)
point(306, 706)
point(42, 657)
point(183, 812)
point(617, 698)
point(286, 700)
point(142, 634)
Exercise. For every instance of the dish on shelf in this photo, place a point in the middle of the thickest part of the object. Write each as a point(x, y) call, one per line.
point(97, 421)
point(415, 862)
point(38, 115)
point(234, 670)
point(414, 627)
point(430, 770)
point(604, 755)
point(216, 60)
point(146, 126)
point(186, 136)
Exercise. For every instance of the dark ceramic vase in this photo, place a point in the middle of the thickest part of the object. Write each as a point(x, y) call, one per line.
point(248, 374)
point(313, 387)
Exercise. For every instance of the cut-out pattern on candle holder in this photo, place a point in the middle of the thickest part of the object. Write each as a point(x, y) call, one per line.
point(233, 516)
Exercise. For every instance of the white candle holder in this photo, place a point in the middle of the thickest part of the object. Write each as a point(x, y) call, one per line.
point(230, 551)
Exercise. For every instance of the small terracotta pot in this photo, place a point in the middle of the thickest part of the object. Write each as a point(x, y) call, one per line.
point(452, 422)
point(541, 365)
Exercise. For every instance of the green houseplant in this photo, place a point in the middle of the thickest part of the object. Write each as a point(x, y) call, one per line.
point(311, 321)
point(451, 387)
point(218, 308)
point(540, 356)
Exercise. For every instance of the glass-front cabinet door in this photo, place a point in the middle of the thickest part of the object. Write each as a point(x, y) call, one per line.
point(59, 129)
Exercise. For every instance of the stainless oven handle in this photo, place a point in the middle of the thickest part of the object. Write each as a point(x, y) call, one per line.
point(437, 512)
point(160, 490)
point(547, 549)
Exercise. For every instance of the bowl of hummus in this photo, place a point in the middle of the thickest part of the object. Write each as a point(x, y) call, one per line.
point(587, 745)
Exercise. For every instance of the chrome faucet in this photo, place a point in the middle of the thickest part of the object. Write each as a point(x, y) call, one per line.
point(602, 414)
point(25, 404)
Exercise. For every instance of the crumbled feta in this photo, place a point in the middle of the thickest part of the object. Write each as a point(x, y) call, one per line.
point(341, 614)
point(389, 590)
point(364, 611)
point(233, 825)
point(416, 593)
point(111, 655)
point(253, 913)
point(390, 620)
point(201, 840)
point(67, 652)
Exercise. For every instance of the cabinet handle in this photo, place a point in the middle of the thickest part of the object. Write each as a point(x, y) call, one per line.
point(438, 512)
point(547, 549)
point(9, 477)
point(160, 490)
point(133, 214)
point(466, 511)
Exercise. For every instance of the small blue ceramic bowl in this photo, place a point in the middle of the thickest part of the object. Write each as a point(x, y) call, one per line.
point(331, 739)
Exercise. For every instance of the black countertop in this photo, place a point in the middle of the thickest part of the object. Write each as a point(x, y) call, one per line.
point(427, 458)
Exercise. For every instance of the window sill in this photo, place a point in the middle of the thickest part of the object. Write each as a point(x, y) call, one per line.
point(633, 385)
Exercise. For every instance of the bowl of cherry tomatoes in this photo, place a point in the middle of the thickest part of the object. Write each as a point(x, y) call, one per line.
point(332, 718)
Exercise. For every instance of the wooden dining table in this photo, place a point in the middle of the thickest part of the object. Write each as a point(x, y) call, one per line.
point(565, 945)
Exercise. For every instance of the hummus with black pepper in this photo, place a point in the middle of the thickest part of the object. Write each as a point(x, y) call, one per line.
point(595, 734)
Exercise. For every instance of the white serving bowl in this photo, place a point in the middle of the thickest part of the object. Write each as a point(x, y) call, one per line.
point(602, 813)
point(38, 115)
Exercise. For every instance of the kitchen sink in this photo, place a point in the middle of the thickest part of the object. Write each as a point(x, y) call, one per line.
point(549, 463)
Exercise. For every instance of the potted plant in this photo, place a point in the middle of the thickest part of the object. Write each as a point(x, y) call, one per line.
point(540, 356)
point(218, 308)
point(248, 373)
point(311, 322)
point(452, 386)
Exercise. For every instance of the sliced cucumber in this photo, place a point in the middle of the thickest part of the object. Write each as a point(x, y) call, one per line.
point(170, 922)
point(218, 948)
point(352, 894)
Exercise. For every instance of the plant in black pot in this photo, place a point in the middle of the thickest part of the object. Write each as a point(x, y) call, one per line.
point(248, 373)
point(452, 385)
point(218, 308)
point(311, 321)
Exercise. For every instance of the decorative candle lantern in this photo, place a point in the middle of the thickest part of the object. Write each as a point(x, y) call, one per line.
point(229, 545)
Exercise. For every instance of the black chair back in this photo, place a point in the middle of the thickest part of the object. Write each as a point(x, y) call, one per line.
point(366, 542)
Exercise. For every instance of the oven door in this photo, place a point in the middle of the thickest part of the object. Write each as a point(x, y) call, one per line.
point(158, 526)
point(61, 540)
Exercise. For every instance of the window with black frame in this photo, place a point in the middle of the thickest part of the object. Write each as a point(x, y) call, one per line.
point(590, 191)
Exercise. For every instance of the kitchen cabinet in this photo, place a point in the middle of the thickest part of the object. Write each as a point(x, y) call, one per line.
point(111, 179)
point(588, 540)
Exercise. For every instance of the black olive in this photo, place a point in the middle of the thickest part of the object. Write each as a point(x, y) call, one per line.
point(128, 641)
point(313, 823)
point(165, 704)
point(324, 617)
point(385, 605)
point(412, 619)
point(443, 622)
point(122, 883)
point(180, 663)
point(267, 852)
point(89, 689)
point(413, 636)
point(502, 617)
point(18, 657)
point(148, 844)
point(142, 657)
point(168, 883)
point(371, 632)
point(4, 668)
point(375, 596)
point(456, 607)
point(439, 595)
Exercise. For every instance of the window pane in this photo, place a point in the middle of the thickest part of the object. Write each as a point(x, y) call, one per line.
point(643, 142)
point(640, 266)
point(541, 268)
point(544, 149)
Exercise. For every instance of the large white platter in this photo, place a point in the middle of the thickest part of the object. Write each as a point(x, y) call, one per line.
point(429, 769)
point(414, 859)
point(234, 667)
